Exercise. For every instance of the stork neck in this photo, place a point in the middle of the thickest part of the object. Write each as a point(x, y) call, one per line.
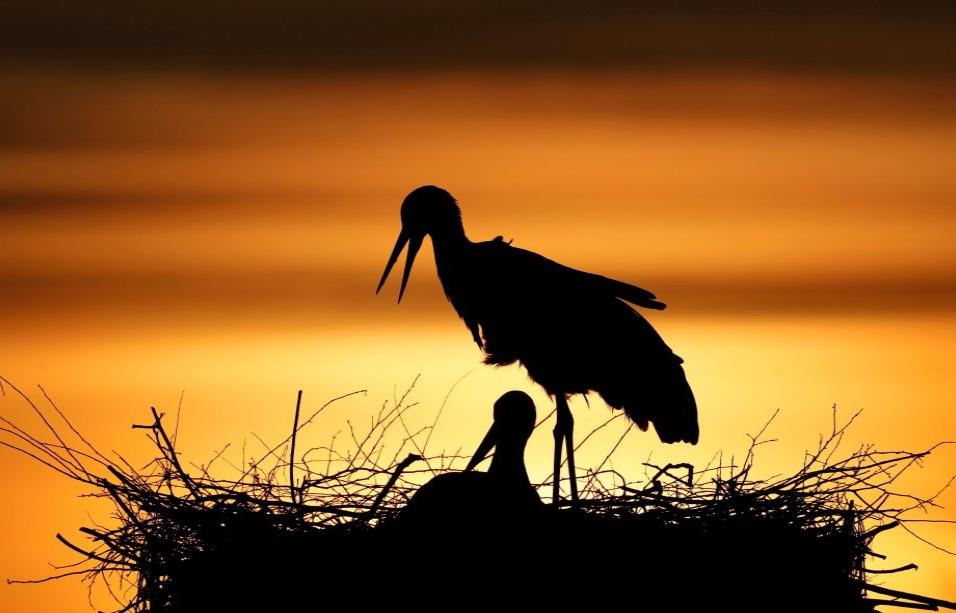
point(449, 236)
point(508, 462)
point(449, 245)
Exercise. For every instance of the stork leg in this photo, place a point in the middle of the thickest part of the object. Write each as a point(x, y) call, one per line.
point(564, 433)
point(556, 484)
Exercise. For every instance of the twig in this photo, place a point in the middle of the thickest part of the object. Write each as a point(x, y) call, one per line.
point(295, 431)
point(411, 458)
point(936, 602)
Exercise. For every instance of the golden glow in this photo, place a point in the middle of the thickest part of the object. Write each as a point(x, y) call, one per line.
point(223, 239)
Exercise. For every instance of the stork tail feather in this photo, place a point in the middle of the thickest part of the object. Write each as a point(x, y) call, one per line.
point(664, 400)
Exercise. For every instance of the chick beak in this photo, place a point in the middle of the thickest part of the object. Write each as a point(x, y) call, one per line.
point(487, 444)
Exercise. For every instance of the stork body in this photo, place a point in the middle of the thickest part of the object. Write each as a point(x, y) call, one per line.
point(573, 331)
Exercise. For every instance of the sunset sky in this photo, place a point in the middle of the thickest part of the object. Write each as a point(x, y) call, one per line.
point(198, 200)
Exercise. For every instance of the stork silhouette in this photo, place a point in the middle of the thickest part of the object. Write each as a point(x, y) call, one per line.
point(490, 497)
point(573, 331)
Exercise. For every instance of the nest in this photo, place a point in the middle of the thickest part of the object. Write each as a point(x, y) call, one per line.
point(327, 529)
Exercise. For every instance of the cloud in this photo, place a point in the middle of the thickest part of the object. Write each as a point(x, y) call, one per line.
point(255, 35)
point(326, 295)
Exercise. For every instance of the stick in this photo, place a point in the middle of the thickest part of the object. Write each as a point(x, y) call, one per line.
point(409, 459)
point(886, 571)
point(295, 430)
point(914, 597)
point(877, 602)
point(869, 534)
point(90, 554)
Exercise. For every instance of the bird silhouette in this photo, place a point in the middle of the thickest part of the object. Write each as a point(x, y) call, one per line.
point(493, 496)
point(573, 331)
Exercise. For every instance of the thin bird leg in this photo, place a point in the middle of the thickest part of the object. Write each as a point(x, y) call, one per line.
point(567, 420)
point(558, 438)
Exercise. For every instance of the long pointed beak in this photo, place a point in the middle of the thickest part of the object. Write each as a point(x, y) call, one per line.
point(487, 443)
point(414, 244)
point(399, 245)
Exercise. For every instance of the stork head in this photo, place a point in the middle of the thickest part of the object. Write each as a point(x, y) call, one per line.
point(514, 421)
point(426, 210)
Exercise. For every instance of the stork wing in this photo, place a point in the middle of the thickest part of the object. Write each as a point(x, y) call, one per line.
point(625, 291)
point(543, 268)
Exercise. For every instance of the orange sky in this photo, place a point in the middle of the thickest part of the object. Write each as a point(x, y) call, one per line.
point(222, 235)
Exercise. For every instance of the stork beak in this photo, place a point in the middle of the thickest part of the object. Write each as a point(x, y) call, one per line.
point(487, 443)
point(415, 243)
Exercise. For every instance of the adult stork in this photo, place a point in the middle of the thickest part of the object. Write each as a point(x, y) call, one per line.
point(573, 331)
